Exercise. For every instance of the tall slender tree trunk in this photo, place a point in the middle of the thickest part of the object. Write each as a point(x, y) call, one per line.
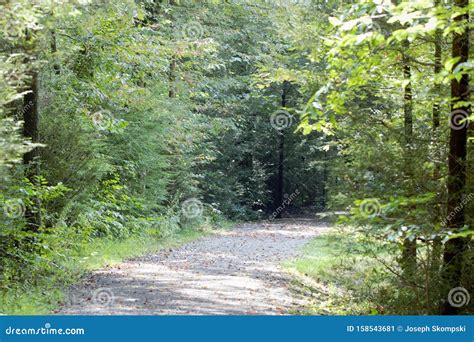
point(409, 254)
point(437, 245)
point(31, 159)
point(172, 66)
point(281, 157)
point(437, 69)
point(455, 248)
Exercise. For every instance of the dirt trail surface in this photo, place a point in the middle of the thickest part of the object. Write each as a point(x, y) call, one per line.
point(234, 273)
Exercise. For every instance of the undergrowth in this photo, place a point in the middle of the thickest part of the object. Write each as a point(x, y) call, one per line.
point(343, 272)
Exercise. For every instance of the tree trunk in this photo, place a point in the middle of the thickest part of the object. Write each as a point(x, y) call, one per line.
point(437, 245)
point(409, 254)
point(31, 158)
point(172, 67)
point(281, 157)
point(455, 248)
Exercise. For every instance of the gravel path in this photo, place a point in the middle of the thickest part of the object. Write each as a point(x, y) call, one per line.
point(233, 273)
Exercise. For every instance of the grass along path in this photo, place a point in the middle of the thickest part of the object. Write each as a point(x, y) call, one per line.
point(338, 274)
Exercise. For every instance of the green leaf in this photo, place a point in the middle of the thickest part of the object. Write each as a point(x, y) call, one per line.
point(449, 64)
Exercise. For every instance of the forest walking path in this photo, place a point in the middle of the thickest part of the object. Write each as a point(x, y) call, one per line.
point(236, 272)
